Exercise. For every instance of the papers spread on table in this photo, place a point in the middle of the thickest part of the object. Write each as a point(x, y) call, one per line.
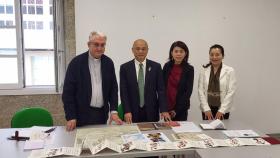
point(68, 151)
point(85, 136)
point(216, 124)
point(186, 127)
point(98, 139)
point(241, 133)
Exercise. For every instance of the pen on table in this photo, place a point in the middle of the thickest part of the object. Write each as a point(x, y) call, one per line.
point(50, 130)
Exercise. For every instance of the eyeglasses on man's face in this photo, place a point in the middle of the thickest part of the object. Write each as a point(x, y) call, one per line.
point(98, 45)
point(138, 49)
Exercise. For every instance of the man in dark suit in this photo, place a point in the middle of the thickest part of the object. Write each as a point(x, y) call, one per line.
point(142, 87)
point(90, 88)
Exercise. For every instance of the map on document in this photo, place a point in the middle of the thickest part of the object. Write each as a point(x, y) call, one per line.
point(95, 135)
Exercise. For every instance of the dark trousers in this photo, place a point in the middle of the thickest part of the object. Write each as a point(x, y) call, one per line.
point(97, 116)
point(214, 111)
point(142, 116)
point(181, 116)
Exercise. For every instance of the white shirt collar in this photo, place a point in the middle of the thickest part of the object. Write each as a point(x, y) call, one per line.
point(92, 58)
point(137, 62)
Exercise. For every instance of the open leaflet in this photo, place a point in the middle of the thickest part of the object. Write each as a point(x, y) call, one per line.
point(216, 124)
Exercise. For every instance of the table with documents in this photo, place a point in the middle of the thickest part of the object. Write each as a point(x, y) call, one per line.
point(14, 149)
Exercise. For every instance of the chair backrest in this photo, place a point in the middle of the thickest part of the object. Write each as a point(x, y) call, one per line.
point(34, 116)
point(121, 111)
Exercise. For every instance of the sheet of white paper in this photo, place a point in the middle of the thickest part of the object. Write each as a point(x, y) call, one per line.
point(186, 127)
point(40, 128)
point(24, 133)
point(206, 126)
point(37, 154)
point(216, 124)
point(34, 144)
point(168, 145)
point(222, 142)
point(253, 141)
point(134, 137)
point(241, 133)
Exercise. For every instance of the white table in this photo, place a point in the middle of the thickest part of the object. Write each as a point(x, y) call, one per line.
point(14, 149)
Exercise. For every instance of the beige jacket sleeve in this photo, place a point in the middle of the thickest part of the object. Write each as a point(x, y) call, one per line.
point(228, 93)
point(202, 91)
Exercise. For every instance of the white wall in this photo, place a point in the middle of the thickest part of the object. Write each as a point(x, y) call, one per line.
point(249, 31)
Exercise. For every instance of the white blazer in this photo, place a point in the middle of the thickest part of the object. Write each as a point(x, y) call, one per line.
point(227, 88)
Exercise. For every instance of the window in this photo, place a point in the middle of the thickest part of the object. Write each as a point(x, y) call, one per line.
point(24, 10)
point(51, 10)
point(9, 23)
point(39, 1)
point(51, 25)
point(30, 1)
point(31, 9)
point(31, 25)
point(39, 25)
point(2, 9)
point(39, 10)
point(24, 25)
point(9, 9)
point(2, 23)
point(28, 50)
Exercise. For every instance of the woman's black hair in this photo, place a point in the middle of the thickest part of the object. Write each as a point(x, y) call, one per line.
point(181, 45)
point(213, 47)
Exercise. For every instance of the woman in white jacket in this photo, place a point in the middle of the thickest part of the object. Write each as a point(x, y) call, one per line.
point(216, 86)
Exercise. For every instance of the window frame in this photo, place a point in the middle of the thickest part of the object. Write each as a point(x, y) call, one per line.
point(59, 55)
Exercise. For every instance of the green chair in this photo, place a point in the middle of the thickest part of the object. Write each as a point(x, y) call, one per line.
point(121, 111)
point(34, 116)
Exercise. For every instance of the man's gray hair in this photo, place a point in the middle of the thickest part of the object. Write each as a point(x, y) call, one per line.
point(94, 34)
